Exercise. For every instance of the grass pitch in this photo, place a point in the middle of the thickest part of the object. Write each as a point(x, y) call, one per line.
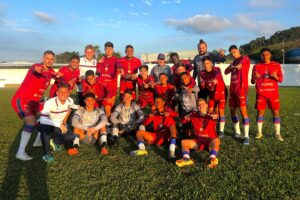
point(266, 169)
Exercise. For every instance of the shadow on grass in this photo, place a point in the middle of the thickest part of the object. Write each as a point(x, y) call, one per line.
point(33, 171)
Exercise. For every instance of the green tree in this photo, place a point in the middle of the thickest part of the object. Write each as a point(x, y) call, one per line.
point(65, 57)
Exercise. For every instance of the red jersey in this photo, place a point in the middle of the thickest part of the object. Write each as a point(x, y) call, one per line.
point(34, 84)
point(97, 89)
point(266, 85)
point(239, 77)
point(161, 123)
point(203, 126)
point(107, 69)
point(129, 66)
point(216, 91)
point(167, 93)
point(145, 93)
point(70, 76)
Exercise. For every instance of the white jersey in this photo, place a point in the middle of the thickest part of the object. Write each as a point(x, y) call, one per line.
point(54, 112)
point(84, 66)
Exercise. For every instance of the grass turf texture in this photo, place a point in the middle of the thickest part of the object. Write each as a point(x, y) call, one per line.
point(265, 169)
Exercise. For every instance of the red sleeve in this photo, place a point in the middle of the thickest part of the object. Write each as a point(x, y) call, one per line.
point(253, 76)
point(279, 73)
point(148, 120)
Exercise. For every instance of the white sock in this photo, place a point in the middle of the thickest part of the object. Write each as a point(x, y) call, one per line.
point(115, 131)
point(246, 131)
point(212, 156)
point(186, 156)
point(76, 141)
point(277, 128)
point(259, 127)
point(142, 128)
point(103, 138)
point(237, 127)
point(141, 146)
point(25, 136)
point(222, 125)
point(172, 149)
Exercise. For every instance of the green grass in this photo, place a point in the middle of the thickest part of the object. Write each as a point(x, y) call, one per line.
point(266, 169)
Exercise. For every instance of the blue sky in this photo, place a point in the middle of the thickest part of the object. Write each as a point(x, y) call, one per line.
point(27, 28)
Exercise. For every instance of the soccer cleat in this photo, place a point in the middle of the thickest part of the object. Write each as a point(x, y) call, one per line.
point(259, 136)
point(246, 141)
point(279, 137)
point(104, 151)
point(55, 147)
point(23, 156)
point(37, 141)
point(48, 158)
point(184, 162)
point(237, 135)
point(221, 134)
point(138, 152)
point(73, 151)
point(172, 157)
point(115, 140)
point(212, 163)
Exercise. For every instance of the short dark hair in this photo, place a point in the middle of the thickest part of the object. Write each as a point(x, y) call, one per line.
point(232, 47)
point(49, 52)
point(89, 73)
point(129, 46)
point(74, 57)
point(181, 64)
point(183, 73)
point(108, 44)
point(90, 95)
point(163, 74)
point(265, 49)
point(144, 67)
point(205, 58)
point(63, 85)
point(128, 91)
point(160, 97)
point(174, 54)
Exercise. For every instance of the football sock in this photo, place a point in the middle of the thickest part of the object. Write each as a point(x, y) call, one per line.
point(213, 154)
point(186, 154)
point(103, 138)
point(172, 146)
point(76, 141)
point(276, 121)
point(222, 123)
point(141, 145)
point(246, 122)
point(260, 121)
point(236, 124)
point(25, 136)
point(115, 131)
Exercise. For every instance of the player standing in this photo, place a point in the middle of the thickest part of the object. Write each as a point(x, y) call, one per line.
point(161, 67)
point(266, 76)
point(211, 79)
point(129, 68)
point(239, 70)
point(69, 74)
point(198, 64)
point(26, 100)
point(107, 70)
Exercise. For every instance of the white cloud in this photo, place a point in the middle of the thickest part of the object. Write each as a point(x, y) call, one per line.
point(266, 3)
point(131, 5)
point(44, 17)
point(149, 3)
point(145, 13)
point(134, 13)
point(13, 26)
point(260, 27)
point(177, 1)
point(200, 24)
point(165, 2)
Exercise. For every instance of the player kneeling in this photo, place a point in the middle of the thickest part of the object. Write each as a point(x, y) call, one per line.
point(90, 123)
point(157, 129)
point(53, 124)
point(127, 116)
point(205, 136)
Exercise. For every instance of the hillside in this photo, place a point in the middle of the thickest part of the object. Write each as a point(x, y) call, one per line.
point(286, 39)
